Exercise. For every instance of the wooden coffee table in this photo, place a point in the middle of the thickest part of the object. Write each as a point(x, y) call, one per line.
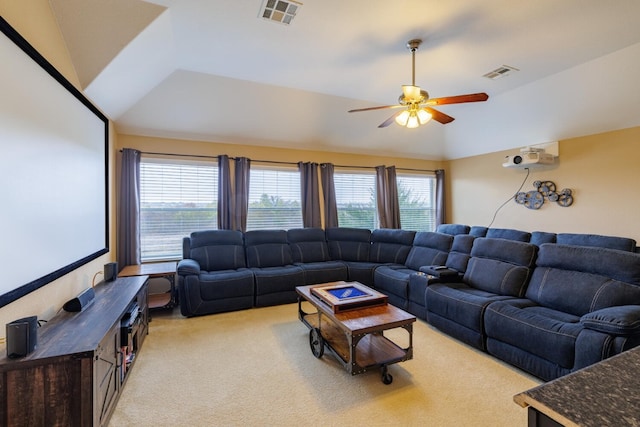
point(356, 337)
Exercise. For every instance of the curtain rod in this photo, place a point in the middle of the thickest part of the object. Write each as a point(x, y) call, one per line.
point(280, 162)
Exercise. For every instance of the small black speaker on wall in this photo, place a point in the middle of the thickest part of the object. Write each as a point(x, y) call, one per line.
point(110, 271)
point(22, 337)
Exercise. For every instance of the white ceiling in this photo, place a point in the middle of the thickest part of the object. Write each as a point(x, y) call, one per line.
point(213, 70)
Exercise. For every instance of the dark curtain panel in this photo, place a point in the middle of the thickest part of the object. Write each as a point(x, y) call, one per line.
point(128, 215)
point(329, 194)
point(387, 197)
point(310, 194)
point(393, 203)
point(440, 198)
point(381, 195)
point(225, 207)
point(241, 196)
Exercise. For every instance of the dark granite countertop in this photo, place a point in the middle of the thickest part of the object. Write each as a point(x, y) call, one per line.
point(604, 394)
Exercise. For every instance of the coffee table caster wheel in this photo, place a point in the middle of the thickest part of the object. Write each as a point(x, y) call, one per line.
point(387, 378)
point(316, 342)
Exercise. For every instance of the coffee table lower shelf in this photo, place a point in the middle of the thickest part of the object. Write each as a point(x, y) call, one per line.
point(357, 349)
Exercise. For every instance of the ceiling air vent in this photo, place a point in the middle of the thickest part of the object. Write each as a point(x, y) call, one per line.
point(503, 71)
point(282, 11)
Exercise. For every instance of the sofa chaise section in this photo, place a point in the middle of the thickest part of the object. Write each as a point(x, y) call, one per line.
point(582, 305)
point(498, 269)
point(269, 259)
point(212, 276)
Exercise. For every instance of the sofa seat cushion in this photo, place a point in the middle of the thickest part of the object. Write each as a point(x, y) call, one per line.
point(323, 272)
point(460, 303)
point(226, 284)
point(277, 279)
point(543, 332)
point(361, 272)
point(393, 279)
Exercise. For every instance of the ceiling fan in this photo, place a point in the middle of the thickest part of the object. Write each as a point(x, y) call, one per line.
point(416, 104)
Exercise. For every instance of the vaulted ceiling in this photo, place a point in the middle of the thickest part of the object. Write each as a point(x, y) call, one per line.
point(215, 70)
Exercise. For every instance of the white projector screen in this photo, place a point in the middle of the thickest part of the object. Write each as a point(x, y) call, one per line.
point(53, 172)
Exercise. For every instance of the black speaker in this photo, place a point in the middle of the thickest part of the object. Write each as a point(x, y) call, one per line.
point(22, 337)
point(110, 271)
point(80, 302)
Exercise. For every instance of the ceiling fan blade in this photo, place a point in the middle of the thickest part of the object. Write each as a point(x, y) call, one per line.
point(439, 116)
point(389, 120)
point(382, 107)
point(459, 99)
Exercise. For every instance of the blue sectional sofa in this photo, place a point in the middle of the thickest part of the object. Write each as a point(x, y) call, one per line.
point(547, 303)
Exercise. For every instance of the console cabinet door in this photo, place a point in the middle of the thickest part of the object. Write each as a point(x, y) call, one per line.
point(107, 363)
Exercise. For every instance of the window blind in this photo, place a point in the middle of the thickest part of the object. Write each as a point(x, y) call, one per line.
point(176, 199)
point(274, 199)
point(356, 199)
point(416, 197)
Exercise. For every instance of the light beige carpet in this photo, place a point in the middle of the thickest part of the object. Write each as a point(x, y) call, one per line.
point(255, 368)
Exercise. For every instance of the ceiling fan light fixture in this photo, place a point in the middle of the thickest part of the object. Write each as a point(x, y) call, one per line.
point(424, 116)
point(402, 118)
point(413, 121)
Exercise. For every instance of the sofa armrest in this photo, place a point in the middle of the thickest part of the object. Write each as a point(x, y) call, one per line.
point(188, 267)
point(439, 271)
point(619, 320)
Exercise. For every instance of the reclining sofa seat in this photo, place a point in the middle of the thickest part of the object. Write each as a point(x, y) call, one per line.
point(456, 265)
point(582, 306)
point(212, 276)
point(428, 249)
point(352, 246)
point(498, 269)
point(310, 252)
point(269, 258)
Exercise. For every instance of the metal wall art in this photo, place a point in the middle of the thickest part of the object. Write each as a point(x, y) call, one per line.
point(534, 199)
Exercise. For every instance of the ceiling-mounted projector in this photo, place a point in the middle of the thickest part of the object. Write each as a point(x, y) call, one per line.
point(528, 157)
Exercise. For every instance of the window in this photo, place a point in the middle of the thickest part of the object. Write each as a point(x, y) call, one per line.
point(416, 197)
point(274, 199)
point(176, 199)
point(356, 199)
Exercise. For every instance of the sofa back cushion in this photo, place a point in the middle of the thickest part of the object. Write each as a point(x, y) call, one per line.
point(453, 229)
point(540, 237)
point(478, 231)
point(610, 242)
point(308, 245)
point(509, 234)
point(428, 249)
point(349, 244)
point(267, 248)
point(500, 266)
point(580, 279)
point(390, 245)
point(460, 252)
point(215, 249)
